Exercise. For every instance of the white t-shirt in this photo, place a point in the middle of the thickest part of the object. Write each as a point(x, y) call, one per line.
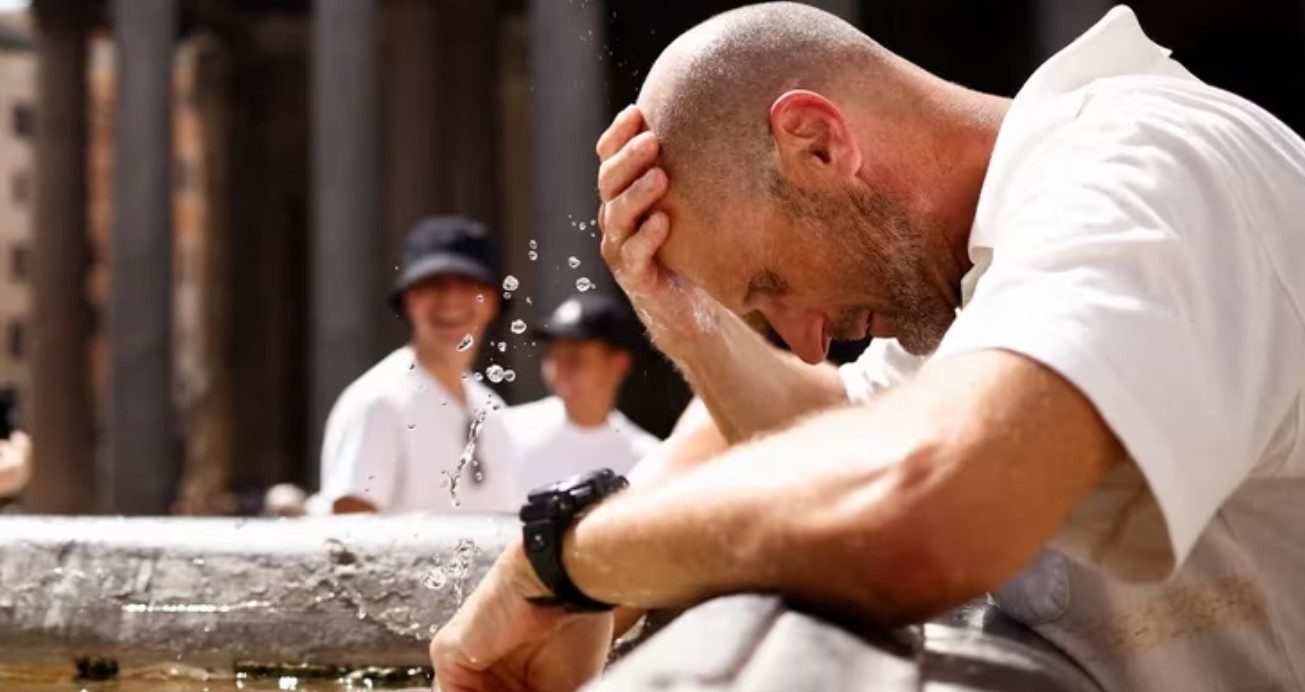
point(543, 445)
point(1143, 234)
point(395, 436)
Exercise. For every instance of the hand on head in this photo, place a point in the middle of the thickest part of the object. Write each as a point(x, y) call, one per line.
point(630, 185)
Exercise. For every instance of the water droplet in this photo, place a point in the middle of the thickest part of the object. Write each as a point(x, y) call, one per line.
point(582, 284)
point(507, 295)
point(198, 562)
point(435, 579)
point(412, 426)
point(466, 342)
point(593, 222)
point(532, 255)
point(509, 375)
point(480, 297)
point(478, 377)
point(494, 373)
point(529, 301)
point(396, 267)
point(479, 477)
point(533, 245)
point(502, 347)
point(573, 262)
point(510, 283)
point(412, 365)
point(583, 225)
point(518, 326)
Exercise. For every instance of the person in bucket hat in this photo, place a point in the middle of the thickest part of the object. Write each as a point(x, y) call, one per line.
point(395, 436)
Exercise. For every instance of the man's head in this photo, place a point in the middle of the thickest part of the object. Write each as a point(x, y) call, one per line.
point(590, 342)
point(447, 287)
point(823, 164)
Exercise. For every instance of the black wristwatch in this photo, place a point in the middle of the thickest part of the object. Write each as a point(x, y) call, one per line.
point(548, 513)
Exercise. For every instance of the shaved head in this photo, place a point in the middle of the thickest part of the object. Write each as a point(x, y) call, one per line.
point(815, 177)
point(708, 95)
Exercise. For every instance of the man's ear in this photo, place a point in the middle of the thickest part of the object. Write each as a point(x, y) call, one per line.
point(812, 137)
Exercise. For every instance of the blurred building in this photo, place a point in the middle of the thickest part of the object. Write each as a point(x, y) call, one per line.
point(231, 180)
point(17, 193)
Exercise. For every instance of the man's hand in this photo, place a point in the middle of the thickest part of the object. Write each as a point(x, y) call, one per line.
point(15, 463)
point(629, 185)
point(498, 641)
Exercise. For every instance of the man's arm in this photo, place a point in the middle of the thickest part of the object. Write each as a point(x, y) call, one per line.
point(941, 490)
point(718, 352)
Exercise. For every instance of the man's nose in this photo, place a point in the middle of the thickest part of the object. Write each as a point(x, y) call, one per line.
point(802, 330)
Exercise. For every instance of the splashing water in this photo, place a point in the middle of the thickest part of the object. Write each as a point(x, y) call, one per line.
point(534, 245)
point(510, 283)
point(509, 376)
point(583, 225)
point(573, 262)
point(478, 377)
point(502, 347)
point(518, 326)
point(454, 478)
point(583, 284)
point(494, 373)
point(466, 343)
point(455, 570)
point(532, 255)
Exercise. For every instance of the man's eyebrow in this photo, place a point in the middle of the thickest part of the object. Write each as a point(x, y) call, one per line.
point(765, 282)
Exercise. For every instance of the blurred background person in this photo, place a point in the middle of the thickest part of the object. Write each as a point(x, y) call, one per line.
point(15, 466)
point(394, 437)
point(590, 340)
point(15, 450)
point(285, 500)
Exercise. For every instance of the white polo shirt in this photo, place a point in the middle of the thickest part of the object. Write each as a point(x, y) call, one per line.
point(542, 444)
point(395, 436)
point(1143, 234)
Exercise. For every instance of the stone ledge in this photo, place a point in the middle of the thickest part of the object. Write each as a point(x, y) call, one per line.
point(213, 592)
point(755, 643)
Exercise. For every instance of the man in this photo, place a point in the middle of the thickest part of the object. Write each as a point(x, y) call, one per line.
point(1120, 386)
point(590, 339)
point(395, 439)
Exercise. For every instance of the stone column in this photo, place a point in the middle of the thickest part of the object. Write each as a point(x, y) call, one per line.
point(349, 241)
point(570, 111)
point(63, 419)
point(144, 460)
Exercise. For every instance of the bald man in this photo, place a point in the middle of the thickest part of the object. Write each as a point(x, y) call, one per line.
point(1085, 392)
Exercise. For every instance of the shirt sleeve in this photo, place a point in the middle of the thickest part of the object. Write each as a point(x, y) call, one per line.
point(361, 454)
point(883, 364)
point(1125, 265)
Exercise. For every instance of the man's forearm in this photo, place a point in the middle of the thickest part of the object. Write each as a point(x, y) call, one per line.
point(936, 493)
point(749, 386)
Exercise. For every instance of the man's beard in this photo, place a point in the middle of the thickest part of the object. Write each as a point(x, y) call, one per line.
point(875, 251)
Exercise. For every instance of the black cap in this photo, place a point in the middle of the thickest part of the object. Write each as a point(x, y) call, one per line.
point(443, 245)
point(592, 316)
